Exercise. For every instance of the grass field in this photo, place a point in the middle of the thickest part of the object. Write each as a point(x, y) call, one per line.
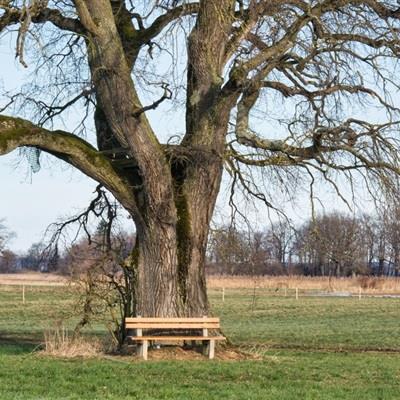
point(311, 348)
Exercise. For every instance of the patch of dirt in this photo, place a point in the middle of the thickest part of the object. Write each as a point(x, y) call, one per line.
point(169, 352)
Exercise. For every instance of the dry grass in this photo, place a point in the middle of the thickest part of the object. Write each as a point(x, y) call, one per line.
point(33, 279)
point(372, 285)
point(58, 343)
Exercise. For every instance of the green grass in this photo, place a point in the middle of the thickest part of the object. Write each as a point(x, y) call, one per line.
point(311, 323)
point(314, 348)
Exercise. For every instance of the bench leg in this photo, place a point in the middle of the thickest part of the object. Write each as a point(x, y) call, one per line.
point(205, 348)
point(211, 349)
point(142, 349)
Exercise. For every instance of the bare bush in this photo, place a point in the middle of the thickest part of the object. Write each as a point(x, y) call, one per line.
point(58, 342)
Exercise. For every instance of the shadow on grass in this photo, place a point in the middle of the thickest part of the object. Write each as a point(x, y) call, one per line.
point(16, 344)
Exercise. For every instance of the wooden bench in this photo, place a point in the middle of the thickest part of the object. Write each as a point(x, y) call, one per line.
point(197, 329)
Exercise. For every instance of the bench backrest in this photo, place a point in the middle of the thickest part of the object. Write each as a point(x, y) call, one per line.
point(172, 323)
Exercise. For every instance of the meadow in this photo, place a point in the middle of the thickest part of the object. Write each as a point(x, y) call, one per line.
point(310, 348)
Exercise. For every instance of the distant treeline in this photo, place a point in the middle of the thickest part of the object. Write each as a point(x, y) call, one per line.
point(334, 244)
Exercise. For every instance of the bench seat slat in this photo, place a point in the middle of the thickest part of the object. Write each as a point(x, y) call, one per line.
point(171, 325)
point(175, 320)
point(175, 338)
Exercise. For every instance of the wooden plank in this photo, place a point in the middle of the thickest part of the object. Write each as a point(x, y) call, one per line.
point(171, 325)
point(175, 338)
point(138, 321)
point(156, 323)
point(177, 320)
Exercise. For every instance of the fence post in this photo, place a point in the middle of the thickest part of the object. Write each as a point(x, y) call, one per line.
point(23, 294)
point(297, 293)
point(359, 293)
point(223, 295)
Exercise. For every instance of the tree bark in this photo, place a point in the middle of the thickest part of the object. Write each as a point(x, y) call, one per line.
point(171, 258)
point(202, 193)
point(157, 292)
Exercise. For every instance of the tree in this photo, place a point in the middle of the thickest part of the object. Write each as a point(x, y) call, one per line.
point(318, 58)
point(280, 238)
point(387, 237)
point(8, 261)
point(5, 236)
point(369, 238)
point(35, 257)
point(228, 249)
point(332, 245)
point(7, 258)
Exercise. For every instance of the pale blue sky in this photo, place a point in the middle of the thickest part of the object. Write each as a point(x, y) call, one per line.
point(30, 202)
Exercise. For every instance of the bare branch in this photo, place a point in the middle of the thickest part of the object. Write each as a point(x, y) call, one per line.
point(163, 20)
point(14, 16)
point(15, 132)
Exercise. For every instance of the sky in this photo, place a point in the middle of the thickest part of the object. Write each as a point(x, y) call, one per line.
point(30, 202)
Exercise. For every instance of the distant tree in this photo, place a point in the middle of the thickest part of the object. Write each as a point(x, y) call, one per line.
point(379, 237)
point(228, 250)
point(331, 245)
point(8, 261)
point(381, 243)
point(5, 235)
point(259, 255)
point(394, 241)
point(279, 240)
point(388, 232)
point(35, 257)
point(2, 237)
point(369, 237)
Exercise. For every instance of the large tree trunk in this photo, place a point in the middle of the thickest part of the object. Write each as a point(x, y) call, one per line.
point(170, 259)
point(157, 292)
point(171, 273)
point(201, 190)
